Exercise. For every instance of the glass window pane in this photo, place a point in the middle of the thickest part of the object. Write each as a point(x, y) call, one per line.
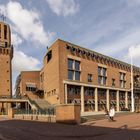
point(104, 80)
point(104, 72)
point(77, 75)
point(99, 70)
point(70, 64)
point(70, 74)
point(89, 77)
point(99, 80)
point(77, 65)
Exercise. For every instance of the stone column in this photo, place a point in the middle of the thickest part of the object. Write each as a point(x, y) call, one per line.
point(107, 99)
point(126, 99)
point(117, 100)
point(96, 99)
point(82, 99)
point(66, 94)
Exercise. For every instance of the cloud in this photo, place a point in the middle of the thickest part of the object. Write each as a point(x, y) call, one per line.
point(16, 40)
point(27, 23)
point(23, 62)
point(133, 51)
point(63, 7)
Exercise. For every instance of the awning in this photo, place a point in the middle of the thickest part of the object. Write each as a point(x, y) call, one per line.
point(31, 85)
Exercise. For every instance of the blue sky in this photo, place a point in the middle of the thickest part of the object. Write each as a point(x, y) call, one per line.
point(107, 26)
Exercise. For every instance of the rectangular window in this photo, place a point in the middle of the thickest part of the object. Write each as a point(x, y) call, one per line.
point(30, 88)
point(77, 65)
point(5, 32)
point(113, 82)
point(77, 75)
point(6, 45)
point(102, 73)
point(0, 31)
point(99, 80)
point(74, 70)
point(49, 56)
point(70, 74)
point(122, 80)
point(99, 71)
point(104, 80)
point(70, 64)
point(89, 78)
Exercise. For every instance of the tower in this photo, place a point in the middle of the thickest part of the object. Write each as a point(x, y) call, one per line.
point(6, 55)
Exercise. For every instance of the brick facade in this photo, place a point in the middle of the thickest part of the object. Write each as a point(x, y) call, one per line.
point(6, 54)
point(102, 90)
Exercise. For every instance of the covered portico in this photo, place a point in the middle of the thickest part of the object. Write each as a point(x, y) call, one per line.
point(101, 98)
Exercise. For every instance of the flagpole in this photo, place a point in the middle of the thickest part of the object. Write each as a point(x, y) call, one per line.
point(132, 83)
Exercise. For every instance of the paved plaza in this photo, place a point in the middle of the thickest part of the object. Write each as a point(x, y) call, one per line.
point(124, 128)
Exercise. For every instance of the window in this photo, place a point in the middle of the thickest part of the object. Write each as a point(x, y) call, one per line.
point(77, 75)
point(5, 32)
point(6, 45)
point(30, 88)
point(74, 90)
point(70, 64)
point(99, 80)
point(113, 82)
point(104, 80)
point(0, 31)
point(102, 73)
point(99, 70)
point(122, 96)
point(77, 65)
point(70, 74)
point(89, 91)
point(74, 69)
point(122, 80)
point(49, 56)
point(89, 77)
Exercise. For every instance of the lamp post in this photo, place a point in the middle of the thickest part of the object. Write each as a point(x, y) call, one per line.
point(132, 85)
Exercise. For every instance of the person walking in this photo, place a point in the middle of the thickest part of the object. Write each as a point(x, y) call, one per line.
point(112, 113)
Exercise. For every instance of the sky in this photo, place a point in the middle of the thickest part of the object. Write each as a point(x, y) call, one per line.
point(110, 27)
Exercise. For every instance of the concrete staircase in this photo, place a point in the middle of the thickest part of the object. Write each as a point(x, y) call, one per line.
point(41, 103)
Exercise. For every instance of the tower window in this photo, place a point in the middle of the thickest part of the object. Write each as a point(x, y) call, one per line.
point(0, 31)
point(5, 32)
point(49, 56)
point(6, 45)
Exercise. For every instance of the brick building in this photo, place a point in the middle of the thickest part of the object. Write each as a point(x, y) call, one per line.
point(73, 74)
point(6, 55)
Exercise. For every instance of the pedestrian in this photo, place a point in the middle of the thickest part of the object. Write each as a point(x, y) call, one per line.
point(112, 113)
point(106, 113)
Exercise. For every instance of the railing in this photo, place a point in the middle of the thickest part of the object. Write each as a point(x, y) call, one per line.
point(49, 111)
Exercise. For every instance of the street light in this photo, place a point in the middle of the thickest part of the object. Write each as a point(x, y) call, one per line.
point(132, 88)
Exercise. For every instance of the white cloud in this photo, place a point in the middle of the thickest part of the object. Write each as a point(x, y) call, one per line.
point(133, 51)
point(22, 62)
point(63, 7)
point(27, 23)
point(16, 40)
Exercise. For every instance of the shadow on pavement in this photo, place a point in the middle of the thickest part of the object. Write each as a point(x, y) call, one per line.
point(21, 130)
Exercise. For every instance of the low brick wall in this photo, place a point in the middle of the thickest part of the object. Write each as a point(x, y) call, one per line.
point(43, 118)
point(68, 113)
